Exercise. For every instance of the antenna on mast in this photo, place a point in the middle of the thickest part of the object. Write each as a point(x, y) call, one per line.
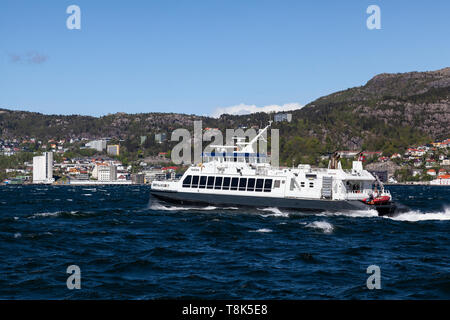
point(248, 147)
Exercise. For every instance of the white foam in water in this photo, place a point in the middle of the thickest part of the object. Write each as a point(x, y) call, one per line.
point(159, 206)
point(209, 208)
point(17, 235)
point(275, 212)
point(321, 225)
point(354, 214)
point(45, 214)
point(413, 216)
point(263, 230)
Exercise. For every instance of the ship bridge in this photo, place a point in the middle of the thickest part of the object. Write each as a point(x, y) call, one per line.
point(240, 157)
point(242, 152)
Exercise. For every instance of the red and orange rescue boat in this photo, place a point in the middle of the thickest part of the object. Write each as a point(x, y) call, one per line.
point(377, 200)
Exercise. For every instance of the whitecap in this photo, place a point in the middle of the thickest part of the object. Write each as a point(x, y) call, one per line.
point(46, 214)
point(414, 216)
point(17, 235)
point(275, 212)
point(263, 230)
point(159, 206)
point(326, 227)
point(208, 208)
point(355, 213)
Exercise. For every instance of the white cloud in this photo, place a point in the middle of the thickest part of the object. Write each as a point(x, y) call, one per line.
point(247, 109)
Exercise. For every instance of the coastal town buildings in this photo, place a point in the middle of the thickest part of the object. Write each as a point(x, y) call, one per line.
point(347, 154)
point(113, 149)
point(98, 145)
point(443, 180)
point(282, 117)
point(138, 178)
point(421, 163)
point(107, 173)
point(160, 137)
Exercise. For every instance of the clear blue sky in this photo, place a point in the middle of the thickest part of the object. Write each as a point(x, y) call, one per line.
point(192, 56)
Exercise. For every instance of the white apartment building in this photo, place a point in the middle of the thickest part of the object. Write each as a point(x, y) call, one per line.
point(43, 168)
point(107, 173)
point(98, 145)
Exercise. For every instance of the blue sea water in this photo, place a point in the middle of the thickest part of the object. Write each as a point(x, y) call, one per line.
point(130, 246)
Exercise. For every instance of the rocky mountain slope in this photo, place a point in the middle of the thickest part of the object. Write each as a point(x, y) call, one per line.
point(389, 113)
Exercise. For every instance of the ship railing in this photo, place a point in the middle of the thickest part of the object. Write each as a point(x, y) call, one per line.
point(319, 169)
point(244, 157)
point(357, 194)
point(261, 171)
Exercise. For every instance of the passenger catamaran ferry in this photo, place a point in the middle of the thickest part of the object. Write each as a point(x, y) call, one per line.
point(246, 178)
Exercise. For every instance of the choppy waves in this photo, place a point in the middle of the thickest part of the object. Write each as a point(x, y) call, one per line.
point(274, 212)
point(324, 226)
point(409, 216)
point(416, 215)
point(131, 246)
point(156, 205)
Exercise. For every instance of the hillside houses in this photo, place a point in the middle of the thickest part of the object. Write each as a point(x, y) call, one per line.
point(419, 163)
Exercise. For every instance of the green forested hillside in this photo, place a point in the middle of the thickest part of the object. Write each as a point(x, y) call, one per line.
point(389, 113)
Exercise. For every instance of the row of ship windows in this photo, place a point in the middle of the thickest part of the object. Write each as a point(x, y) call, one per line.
point(228, 183)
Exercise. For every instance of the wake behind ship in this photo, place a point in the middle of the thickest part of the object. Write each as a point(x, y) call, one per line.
point(245, 178)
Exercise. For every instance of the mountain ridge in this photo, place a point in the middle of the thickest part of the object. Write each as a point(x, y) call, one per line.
point(389, 112)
